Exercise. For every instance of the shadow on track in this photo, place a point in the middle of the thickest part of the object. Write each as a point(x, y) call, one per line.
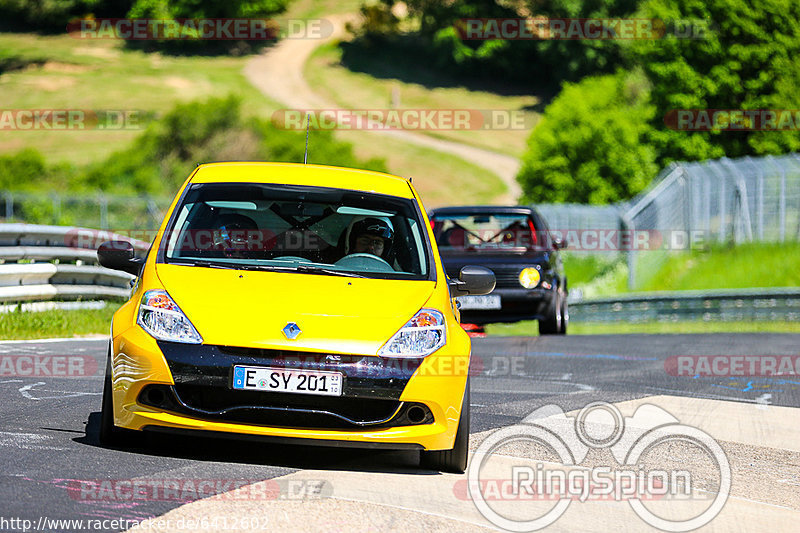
point(221, 450)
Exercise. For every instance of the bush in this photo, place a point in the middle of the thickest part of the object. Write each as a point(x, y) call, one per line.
point(748, 59)
point(201, 9)
point(542, 63)
point(589, 146)
point(44, 15)
point(160, 159)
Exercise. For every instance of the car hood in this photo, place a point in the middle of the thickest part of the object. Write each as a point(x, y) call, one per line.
point(251, 308)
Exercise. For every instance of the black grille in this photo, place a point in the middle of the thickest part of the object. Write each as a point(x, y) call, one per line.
point(507, 277)
point(282, 409)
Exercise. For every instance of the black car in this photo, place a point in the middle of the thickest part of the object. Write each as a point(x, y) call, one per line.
point(516, 244)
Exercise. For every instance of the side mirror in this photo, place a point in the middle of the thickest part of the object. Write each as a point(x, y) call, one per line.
point(119, 255)
point(473, 280)
point(559, 244)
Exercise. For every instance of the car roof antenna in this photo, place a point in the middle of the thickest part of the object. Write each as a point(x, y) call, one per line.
point(308, 125)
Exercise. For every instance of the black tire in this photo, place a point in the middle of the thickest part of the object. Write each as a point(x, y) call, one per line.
point(553, 323)
point(455, 460)
point(111, 435)
point(564, 317)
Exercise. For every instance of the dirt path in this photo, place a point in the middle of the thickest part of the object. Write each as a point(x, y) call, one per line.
point(278, 73)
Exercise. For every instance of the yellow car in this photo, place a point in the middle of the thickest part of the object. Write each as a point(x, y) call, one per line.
point(289, 301)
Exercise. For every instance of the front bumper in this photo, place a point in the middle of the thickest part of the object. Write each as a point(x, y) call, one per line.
point(516, 304)
point(386, 402)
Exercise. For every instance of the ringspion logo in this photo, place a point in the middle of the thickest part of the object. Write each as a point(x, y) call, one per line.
point(525, 483)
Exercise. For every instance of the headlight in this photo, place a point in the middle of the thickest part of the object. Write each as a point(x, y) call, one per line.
point(421, 336)
point(163, 319)
point(529, 277)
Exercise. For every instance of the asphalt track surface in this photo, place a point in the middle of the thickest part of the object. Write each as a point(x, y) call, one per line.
point(48, 425)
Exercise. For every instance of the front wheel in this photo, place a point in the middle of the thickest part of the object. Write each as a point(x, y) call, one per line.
point(553, 322)
point(111, 435)
point(455, 460)
point(564, 316)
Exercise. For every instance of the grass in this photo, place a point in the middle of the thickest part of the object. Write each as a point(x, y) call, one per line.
point(530, 328)
point(743, 266)
point(102, 74)
point(440, 179)
point(56, 323)
point(69, 73)
point(378, 84)
point(306, 9)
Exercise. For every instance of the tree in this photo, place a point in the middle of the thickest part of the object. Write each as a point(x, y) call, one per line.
point(745, 59)
point(589, 147)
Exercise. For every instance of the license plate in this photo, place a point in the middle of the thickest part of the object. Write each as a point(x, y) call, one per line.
point(286, 380)
point(488, 301)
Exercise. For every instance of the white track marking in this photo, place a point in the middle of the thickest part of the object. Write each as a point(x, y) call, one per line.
point(93, 338)
point(25, 391)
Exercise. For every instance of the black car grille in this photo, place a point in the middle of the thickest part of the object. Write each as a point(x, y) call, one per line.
point(506, 277)
point(282, 409)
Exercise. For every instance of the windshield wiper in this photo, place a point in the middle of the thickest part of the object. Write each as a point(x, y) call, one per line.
point(327, 271)
point(205, 264)
point(272, 268)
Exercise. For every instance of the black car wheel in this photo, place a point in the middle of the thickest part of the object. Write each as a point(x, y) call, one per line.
point(564, 316)
point(455, 460)
point(552, 323)
point(111, 435)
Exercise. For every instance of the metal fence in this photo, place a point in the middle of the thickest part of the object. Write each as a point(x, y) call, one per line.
point(713, 202)
point(688, 205)
point(692, 205)
point(120, 213)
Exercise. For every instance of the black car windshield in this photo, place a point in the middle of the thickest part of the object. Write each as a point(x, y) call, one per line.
point(485, 232)
point(310, 230)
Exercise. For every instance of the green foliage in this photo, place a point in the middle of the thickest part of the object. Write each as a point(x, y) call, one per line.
point(25, 167)
point(378, 22)
point(206, 8)
point(47, 15)
point(56, 322)
point(202, 9)
point(748, 59)
point(540, 62)
point(161, 158)
point(589, 146)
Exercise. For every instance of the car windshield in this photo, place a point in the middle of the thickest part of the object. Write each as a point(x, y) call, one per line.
point(310, 230)
point(490, 232)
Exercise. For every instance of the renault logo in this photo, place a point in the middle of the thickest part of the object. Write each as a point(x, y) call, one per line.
point(291, 331)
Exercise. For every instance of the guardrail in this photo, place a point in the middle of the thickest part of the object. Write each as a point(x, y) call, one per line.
point(44, 263)
point(760, 304)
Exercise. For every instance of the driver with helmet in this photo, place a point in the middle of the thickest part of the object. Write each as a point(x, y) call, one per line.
point(370, 235)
